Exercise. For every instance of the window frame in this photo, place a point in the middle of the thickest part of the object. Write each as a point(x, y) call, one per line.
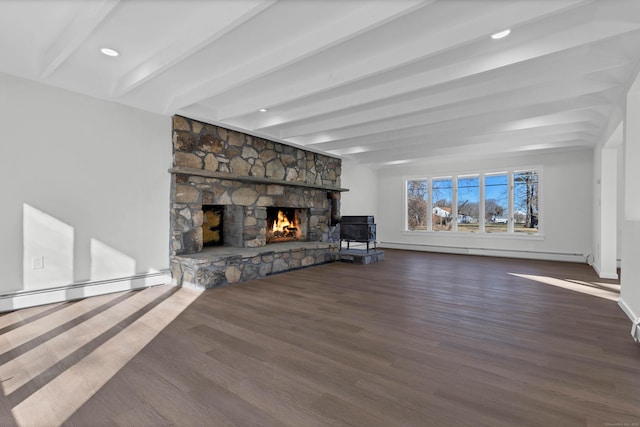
point(481, 232)
point(480, 204)
point(453, 207)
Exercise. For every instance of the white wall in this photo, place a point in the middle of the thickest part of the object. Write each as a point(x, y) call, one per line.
point(630, 268)
point(606, 204)
point(362, 197)
point(620, 199)
point(597, 206)
point(85, 188)
point(566, 198)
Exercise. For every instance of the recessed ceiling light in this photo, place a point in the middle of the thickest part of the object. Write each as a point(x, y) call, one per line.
point(500, 35)
point(109, 52)
point(263, 110)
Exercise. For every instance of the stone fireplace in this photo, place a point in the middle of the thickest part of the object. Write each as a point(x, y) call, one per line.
point(244, 207)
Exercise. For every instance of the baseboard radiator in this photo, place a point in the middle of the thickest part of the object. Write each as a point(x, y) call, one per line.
point(505, 253)
point(30, 298)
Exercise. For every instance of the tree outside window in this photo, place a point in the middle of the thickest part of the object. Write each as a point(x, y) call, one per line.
point(417, 204)
point(525, 201)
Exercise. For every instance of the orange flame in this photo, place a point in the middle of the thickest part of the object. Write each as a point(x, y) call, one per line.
point(284, 228)
point(282, 222)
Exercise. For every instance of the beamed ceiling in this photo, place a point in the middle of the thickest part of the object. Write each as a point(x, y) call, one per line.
point(382, 82)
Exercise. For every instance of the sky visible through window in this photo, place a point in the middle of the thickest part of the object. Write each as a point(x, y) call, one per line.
point(442, 192)
point(496, 188)
point(468, 189)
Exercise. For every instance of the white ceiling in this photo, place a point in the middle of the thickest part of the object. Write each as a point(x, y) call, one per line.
point(382, 82)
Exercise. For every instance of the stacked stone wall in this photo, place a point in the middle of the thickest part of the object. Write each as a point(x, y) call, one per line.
point(199, 145)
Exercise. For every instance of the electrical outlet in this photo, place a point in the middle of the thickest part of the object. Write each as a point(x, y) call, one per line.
point(37, 262)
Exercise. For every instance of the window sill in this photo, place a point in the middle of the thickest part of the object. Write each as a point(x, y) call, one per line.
point(476, 235)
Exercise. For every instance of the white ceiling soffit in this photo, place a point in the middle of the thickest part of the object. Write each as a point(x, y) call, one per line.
point(382, 82)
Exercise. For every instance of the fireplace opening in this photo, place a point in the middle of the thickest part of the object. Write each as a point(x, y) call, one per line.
point(212, 225)
point(285, 224)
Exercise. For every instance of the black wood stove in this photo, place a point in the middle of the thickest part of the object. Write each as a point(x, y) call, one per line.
point(358, 229)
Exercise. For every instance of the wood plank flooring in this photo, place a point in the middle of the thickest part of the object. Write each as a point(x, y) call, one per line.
point(418, 340)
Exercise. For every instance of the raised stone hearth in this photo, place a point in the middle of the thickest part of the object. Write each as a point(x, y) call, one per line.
point(216, 267)
point(361, 256)
point(241, 178)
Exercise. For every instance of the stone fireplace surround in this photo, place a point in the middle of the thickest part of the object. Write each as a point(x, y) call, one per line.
point(245, 174)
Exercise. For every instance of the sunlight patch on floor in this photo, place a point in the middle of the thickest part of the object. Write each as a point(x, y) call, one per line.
point(34, 362)
point(601, 290)
point(21, 335)
point(59, 398)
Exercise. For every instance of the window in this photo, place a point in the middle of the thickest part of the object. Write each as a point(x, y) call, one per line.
point(525, 202)
point(468, 203)
point(417, 204)
point(492, 202)
point(496, 203)
point(442, 196)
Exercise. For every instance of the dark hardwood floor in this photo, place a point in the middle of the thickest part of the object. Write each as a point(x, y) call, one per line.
point(417, 340)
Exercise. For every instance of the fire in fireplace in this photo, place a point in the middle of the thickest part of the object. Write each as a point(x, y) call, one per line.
point(284, 224)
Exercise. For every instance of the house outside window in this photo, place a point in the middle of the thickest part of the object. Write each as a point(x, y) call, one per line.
point(442, 197)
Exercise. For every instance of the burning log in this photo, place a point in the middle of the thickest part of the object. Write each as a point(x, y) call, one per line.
point(291, 232)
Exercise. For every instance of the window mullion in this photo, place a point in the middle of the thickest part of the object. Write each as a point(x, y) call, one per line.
point(454, 202)
point(511, 215)
point(481, 207)
point(429, 205)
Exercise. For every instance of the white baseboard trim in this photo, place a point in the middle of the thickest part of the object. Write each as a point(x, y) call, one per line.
point(627, 310)
point(504, 253)
point(632, 316)
point(604, 274)
point(31, 298)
